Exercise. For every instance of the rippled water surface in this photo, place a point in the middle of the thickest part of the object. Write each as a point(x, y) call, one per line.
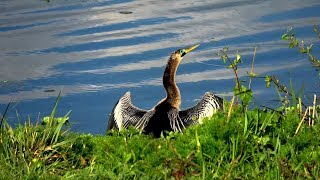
point(94, 51)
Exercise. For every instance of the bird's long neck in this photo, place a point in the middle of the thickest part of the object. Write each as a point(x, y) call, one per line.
point(173, 93)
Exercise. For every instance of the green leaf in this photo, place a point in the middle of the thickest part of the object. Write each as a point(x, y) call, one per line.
point(267, 79)
point(309, 48)
point(62, 119)
point(291, 45)
point(238, 57)
point(224, 58)
point(268, 84)
point(252, 74)
point(225, 49)
point(244, 93)
point(303, 51)
point(284, 36)
point(246, 96)
point(45, 120)
point(127, 157)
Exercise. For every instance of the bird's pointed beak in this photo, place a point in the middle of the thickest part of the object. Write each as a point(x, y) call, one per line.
point(190, 49)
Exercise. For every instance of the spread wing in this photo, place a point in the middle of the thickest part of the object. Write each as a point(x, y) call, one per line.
point(206, 107)
point(125, 114)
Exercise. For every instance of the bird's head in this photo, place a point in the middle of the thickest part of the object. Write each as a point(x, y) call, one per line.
point(178, 54)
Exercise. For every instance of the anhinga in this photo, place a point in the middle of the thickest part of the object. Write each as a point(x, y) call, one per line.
point(166, 115)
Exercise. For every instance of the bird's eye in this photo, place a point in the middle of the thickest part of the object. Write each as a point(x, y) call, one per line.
point(182, 51)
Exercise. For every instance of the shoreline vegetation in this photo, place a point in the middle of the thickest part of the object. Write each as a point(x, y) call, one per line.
point(236, 143)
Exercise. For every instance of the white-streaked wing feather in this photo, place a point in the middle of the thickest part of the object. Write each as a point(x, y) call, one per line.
point(206, 107)
point(176, 122)
point(125, 113)
point(142, 123)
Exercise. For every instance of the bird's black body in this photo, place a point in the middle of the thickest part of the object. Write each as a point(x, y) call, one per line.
point(160, 121)
point(166, 115)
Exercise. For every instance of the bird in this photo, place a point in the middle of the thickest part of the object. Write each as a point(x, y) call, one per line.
point(165, 116)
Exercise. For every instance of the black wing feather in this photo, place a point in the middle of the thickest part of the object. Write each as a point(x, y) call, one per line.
point(206, 107)
point(125, 114)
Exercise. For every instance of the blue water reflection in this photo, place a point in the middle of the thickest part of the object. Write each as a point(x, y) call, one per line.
point(91, 46)
point(305, 12)
point(79, 6)
point(19, 27)
point(123, 25)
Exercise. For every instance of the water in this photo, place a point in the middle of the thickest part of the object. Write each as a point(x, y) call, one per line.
point(94, 51)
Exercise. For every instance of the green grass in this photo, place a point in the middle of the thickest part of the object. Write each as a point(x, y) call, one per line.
point(255, 144)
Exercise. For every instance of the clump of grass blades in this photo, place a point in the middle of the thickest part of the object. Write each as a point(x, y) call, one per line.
point(46, 148)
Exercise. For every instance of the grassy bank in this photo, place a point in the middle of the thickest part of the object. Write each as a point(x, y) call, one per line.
point(256, 143)
point(236, 143)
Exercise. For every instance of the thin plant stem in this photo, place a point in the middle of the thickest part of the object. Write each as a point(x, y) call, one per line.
point(300, 107)
point(230, 108)
point(282, 88)
point(316, 28)
point(4, 114)
point(314, 108)
point(252, 66)
point(304, 116)
point(309, 117)
point(233, 68)
point(273, 110)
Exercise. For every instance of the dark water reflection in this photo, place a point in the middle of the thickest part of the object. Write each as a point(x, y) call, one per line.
point(93, 53)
